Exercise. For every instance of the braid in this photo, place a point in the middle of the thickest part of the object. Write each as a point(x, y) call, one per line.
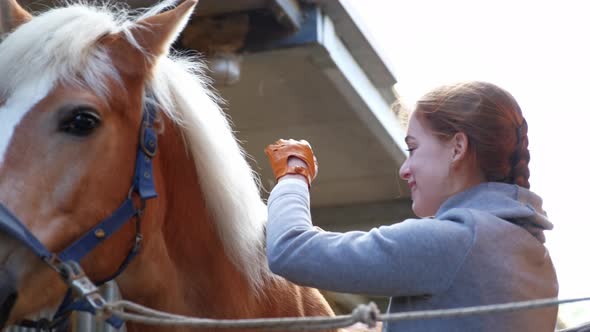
point(521, 157)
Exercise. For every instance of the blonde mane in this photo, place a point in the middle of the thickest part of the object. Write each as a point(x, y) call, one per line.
point(230, 186)
point(66, 51)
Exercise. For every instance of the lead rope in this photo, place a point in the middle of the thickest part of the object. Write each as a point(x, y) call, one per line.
point(366, 314)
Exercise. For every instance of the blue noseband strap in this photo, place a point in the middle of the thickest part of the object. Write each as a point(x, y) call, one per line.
point(10, 225)
point(99, 233)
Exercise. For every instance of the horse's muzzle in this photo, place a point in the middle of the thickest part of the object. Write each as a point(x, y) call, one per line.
point(8, 295)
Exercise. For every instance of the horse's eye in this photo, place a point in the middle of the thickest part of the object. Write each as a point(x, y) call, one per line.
point(81, 122)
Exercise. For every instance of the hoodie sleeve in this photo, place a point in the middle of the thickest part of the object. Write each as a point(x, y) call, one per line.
point(414, 257)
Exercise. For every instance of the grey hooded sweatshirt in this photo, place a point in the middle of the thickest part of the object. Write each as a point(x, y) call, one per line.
point(484, 246)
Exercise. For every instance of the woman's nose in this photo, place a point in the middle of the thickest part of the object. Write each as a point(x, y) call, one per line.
point(404, 171)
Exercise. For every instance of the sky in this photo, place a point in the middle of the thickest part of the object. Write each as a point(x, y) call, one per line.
point(537, 50)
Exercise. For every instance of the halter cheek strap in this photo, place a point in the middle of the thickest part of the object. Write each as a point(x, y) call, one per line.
point(67, 262)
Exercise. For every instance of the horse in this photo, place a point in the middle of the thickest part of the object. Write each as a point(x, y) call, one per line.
point(78, 83)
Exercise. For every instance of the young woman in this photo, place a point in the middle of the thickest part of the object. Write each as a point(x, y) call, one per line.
point(479, 239)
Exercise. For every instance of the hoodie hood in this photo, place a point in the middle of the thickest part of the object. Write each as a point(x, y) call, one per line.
point(510, 202)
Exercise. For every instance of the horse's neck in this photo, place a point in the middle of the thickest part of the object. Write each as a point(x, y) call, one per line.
point(183, 267)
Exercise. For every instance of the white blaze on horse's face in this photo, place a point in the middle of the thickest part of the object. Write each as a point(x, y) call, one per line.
point(15, 108)
point(15, 259)
point(11, 114)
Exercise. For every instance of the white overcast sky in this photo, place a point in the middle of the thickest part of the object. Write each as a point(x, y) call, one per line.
point(540, 52)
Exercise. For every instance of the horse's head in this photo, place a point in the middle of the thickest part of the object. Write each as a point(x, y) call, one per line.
point(71, 101)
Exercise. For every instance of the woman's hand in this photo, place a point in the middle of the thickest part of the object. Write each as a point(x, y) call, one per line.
point(292, 157)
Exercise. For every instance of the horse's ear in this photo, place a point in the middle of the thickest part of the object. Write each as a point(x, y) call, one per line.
point(12, 15)
point(156, 34)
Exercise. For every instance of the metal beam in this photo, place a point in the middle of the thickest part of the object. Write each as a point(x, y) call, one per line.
point(351, 78)
point(353, 32)
point(288, 13)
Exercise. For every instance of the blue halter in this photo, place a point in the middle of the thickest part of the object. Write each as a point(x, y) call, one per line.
point(66, 263)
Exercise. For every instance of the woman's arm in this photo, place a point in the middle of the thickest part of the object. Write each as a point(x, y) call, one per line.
point(415, 257)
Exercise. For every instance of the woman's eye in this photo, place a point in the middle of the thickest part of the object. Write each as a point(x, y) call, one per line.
point(410, 150)
point(82, 122)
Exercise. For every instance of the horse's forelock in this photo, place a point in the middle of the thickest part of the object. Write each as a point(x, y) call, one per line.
point(61, 44)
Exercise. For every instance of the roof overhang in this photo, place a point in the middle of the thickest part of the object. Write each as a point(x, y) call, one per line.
point(311, 85)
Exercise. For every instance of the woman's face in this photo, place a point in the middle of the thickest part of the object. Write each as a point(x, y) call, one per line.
point(427, 168)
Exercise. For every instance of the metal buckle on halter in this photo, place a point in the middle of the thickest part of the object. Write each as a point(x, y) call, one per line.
point(139, 206)
point(75, 277)
point(148, 140)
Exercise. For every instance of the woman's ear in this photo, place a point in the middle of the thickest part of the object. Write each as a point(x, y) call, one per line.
point(460, 146)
